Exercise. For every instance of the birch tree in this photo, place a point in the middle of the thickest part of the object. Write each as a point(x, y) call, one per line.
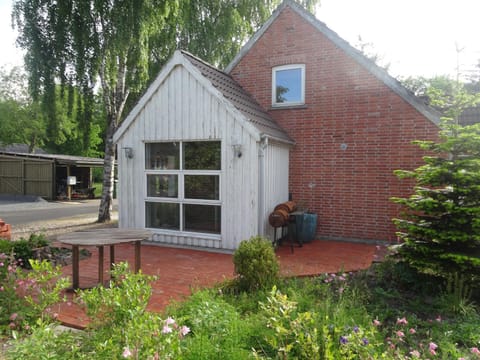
point(95, 45)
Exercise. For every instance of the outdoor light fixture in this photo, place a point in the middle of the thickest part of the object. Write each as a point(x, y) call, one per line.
point(237, 150)
point(128, 152)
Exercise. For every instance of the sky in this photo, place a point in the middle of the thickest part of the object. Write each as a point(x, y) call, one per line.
point(415, 37)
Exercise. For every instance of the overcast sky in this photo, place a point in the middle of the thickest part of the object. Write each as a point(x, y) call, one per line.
point(416, 37)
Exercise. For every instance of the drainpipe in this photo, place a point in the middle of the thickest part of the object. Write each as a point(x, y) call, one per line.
point(261, 185)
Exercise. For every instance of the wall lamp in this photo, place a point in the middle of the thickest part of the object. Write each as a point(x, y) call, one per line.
point(128, 152)
point(237, 150)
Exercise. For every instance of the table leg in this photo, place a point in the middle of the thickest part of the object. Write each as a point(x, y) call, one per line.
point(100, 265)
point(112, 256)
point(138, 245)
point(75, 261)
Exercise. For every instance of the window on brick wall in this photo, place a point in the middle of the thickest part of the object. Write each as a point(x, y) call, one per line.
point(183, 186)
point(288, 85)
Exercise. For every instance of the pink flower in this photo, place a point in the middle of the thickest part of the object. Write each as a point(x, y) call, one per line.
point(13, 316)
point(12, 325)
point(432, 347)
point(184, 330)
point(475, 350)
point(1, 264)
point(166, 329)
point(415, 353)
point(439, 318)
point(126, 353)
point(412, 331)
point(400, 333)
point(169, 321)
point(376, 322)
point(2, 288)
point(402, 321)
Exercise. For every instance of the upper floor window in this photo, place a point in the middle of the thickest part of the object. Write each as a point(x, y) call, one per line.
point(288, 85)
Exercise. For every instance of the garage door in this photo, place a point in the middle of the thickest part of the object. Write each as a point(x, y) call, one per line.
point(26, 177)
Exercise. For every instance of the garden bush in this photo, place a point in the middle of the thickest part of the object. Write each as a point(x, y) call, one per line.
point(256, 264)
point(23, 249)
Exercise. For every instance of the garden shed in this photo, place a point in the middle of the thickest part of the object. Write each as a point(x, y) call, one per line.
point(50, 176)
point(200, 162)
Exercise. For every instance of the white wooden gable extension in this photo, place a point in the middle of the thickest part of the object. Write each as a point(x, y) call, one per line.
point(182, 105)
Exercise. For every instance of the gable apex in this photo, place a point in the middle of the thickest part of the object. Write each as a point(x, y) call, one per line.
point(380, 73)
point(221, 85)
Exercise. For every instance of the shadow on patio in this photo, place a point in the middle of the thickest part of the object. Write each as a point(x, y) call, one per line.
point(181, 270)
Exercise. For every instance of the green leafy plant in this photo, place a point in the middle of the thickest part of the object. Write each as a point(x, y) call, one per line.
point(29, 297)
point(293, 334)
point(256, 264)
point(217, 327)
point(122, 327)
point(23, 249)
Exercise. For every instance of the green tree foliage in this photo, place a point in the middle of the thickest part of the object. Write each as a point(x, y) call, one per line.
point(21, 119)
point(441, 223)
point(448, 96)
point(441, 227)
point(89, 44)
point(24, 120)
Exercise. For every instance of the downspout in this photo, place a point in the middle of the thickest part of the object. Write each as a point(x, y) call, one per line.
point(261, 184)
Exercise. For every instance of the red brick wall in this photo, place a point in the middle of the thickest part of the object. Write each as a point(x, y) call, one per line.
point(5, 230)
point(344, 104)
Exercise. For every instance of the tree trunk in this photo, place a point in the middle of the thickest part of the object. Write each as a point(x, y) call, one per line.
point(104, 211)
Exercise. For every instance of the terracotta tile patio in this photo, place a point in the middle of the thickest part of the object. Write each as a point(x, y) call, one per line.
point(181, 270)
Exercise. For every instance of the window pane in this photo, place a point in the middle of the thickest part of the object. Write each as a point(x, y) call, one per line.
point(201, 155)
point(202, 218)
point(202, 187)
point(288, 85)
point(162, 185)
point(162, 156)
point(162, 215)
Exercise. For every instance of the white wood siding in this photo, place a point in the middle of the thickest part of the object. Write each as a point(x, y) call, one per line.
point(184, 109)
point(276, 181)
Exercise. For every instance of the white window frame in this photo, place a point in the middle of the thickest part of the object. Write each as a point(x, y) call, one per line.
point(181, 199)
point(274, 85)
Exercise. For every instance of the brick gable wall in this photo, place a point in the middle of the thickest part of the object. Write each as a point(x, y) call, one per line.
point(352, 133)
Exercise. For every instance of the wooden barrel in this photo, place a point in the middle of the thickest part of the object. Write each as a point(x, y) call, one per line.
point(288, 206)
point(278, 218)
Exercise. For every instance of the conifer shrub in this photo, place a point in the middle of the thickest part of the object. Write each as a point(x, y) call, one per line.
point(440, 224)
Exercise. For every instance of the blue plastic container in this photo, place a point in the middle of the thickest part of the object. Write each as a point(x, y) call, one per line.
point(306, 227)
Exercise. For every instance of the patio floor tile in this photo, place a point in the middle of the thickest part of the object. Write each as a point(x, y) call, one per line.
point(181, 270)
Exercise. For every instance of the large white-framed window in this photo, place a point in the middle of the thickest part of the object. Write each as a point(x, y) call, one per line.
point(288, 85)
point(183, 186)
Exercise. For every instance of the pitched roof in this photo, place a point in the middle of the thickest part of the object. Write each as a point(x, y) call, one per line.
point(239, 98)
point(357, 55)
point(222, 85)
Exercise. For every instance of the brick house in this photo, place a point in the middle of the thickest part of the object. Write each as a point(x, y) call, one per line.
point(298, 113)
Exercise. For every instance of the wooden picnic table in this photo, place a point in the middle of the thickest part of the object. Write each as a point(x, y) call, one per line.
point(101, 238)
